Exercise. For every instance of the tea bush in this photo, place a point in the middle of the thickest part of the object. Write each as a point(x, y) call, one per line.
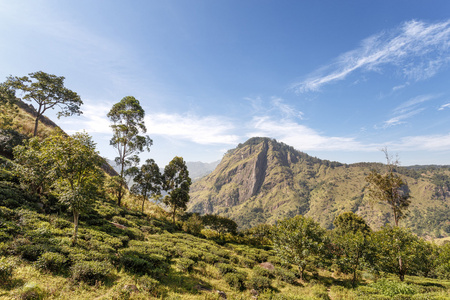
point(236, 280)
point(260, 271)
point(258, 283)
point(285, 275)
point(51, 261)
point(184, 264)
point(6, 269)
point(91, 271)
point(225, 268)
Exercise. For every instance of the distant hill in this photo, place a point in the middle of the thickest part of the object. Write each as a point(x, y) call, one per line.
point(199, 169)
point(264, 180)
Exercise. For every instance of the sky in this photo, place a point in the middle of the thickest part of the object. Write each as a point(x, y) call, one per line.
point(339, 80)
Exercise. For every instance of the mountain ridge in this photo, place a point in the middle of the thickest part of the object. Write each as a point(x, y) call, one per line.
point(263, 180)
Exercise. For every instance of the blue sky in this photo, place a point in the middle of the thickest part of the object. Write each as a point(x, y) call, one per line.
point(336, 79)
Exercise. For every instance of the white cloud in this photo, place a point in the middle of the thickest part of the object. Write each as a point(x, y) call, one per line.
point(413, 103)
point(444, 106)
point(417, 49)
point(202, 130)
point(397, 120)
point(438, 142)
point(93, 119)
point(300, 136)
point(286, 110)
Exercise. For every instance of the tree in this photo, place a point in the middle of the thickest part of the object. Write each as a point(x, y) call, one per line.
point(350, 241)
point(220, 224)
point(147, 180)
point(76, 171)
point(48, 92)
point(299, 241)
point(33, 167)
point(8, 107)
point(176, 183)
point(127, 117)
point(390, 243)
point(390, 188)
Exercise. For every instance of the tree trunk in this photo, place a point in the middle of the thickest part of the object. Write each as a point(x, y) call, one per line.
point(400, 267)
point(75, 225)
point(36, 122)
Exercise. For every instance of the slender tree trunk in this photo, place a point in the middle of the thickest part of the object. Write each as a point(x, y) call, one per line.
point(75, 224)
point(143, 202)
point(36, 122)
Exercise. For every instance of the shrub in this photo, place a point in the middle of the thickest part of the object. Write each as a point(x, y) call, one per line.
point(31, 291)
point(51, 261)
point(91, 271)
point(391, 288)
point(246, 262)
point(258, 283)
point(285, 275)
point(235, 280)
point(225, 268)
point(210, 258)
point(260, 271)
point(135, 264)
point(6, 268)
point(185, 264)
point(149, 285)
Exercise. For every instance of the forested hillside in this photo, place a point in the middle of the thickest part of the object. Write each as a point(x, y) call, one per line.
point(262, 181)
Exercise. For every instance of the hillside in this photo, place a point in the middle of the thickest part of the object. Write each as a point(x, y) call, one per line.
point(263, 180)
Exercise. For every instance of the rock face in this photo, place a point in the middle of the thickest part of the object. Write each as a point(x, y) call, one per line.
point(262, 181)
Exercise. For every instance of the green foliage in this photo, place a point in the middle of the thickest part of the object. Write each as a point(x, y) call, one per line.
point(147, 180)
point(443, 262)
point(149, 285)
point(91, 271)
point(285, 275)
point(391, 243)
point(193, 225)
point(176, 183)
point(235, 280)
point(220, 224)
point(10, 138)
point(127, 117)
point(51, 261)
point(31, 291)
point(225, 268)
point(260, 271)
point(299, 241)
point(392, 288)
point(48, 92)
point(6, 269)
point(259, 283)
point(184, 264)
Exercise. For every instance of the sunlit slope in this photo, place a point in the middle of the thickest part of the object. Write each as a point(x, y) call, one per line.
point(263, 180)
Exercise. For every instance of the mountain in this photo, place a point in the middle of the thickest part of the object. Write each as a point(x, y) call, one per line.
point(263, 180)
point(199, 169)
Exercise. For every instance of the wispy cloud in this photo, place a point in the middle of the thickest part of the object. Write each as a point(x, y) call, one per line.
point(202, 130)
point(438, 142)
point(407, 110)
point(444, 106)
point(286, 110)
point(417, 49)
point(300, 136)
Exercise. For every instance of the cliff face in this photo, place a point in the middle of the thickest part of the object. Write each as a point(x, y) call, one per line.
point(262, 181)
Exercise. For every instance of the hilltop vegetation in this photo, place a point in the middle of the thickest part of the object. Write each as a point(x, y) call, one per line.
point(262, 181)
point(68, 230)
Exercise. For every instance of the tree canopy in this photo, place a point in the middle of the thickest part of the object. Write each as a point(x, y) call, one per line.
point(47, 91)
point(127, 117)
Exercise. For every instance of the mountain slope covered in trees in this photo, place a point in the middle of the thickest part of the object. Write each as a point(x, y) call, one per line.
point(263, 181)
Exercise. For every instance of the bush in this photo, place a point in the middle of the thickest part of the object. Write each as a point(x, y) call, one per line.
point(225, 268)
point(235, 280)
point(149, 285)
point(91, 271)
point(260, 271)
point(285, 275)
point(185, 264)
point(391, 288)
point(259, 283)
point(31, 291)
point(51, 261)
point(6, 269)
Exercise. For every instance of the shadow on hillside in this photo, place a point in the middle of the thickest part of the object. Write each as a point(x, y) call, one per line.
point(180, 283)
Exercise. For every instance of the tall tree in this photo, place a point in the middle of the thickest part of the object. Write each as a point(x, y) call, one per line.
point(127, 117)
point(299, 241)
point(76, 169)
point(177, 184)
point(147, 180)
point(390, 188)
point(48, 92)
